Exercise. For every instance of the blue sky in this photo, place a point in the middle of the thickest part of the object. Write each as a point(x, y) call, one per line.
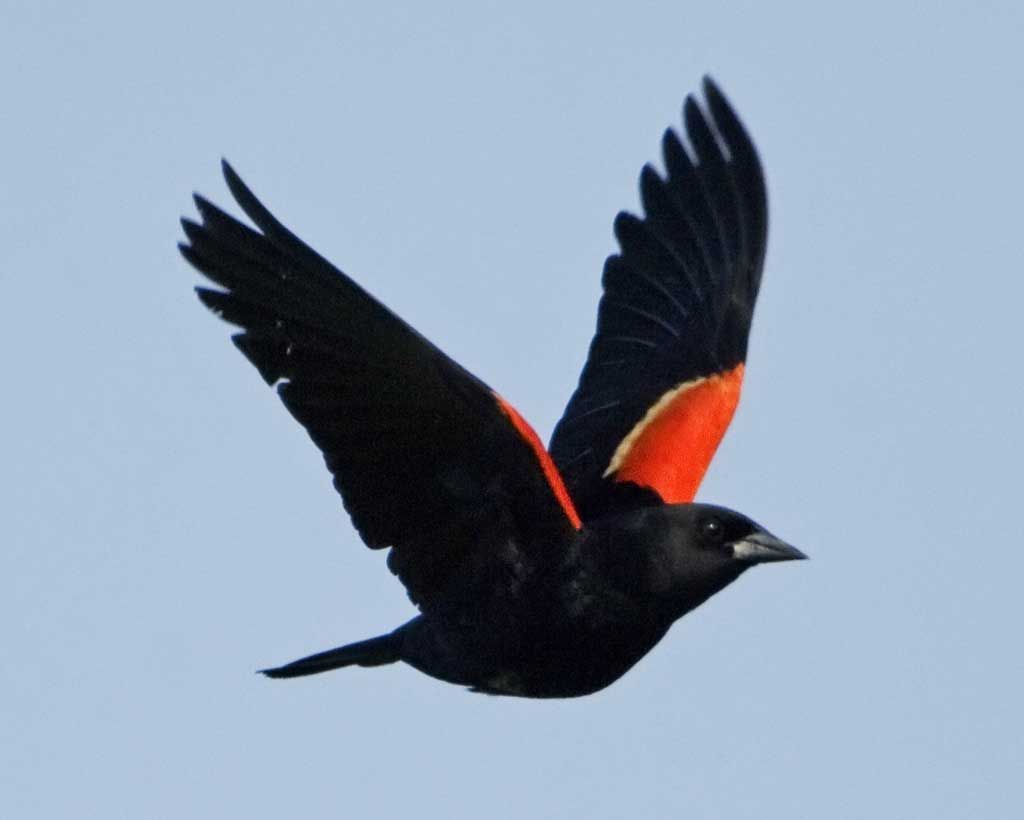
point(169, 529)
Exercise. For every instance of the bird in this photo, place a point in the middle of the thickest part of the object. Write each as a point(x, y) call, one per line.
point(537, 572)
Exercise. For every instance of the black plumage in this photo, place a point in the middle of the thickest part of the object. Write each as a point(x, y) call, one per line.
point(527, 584)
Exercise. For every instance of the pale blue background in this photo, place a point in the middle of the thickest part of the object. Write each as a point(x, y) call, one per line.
point(167, 528)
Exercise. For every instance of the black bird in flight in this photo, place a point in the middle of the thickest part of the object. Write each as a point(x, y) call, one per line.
point(538, 573)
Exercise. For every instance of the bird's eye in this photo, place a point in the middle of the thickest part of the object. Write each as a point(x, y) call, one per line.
point(711, 531)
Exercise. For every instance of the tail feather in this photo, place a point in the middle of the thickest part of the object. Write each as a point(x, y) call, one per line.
point(372, 652)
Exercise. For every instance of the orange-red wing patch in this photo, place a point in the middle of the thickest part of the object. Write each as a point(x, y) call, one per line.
point(670, 448)
point(554, 478)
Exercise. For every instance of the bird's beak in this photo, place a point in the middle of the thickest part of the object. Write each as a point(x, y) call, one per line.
point(761, 547)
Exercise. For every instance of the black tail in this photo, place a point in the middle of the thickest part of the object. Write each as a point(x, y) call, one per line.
point(373, 652)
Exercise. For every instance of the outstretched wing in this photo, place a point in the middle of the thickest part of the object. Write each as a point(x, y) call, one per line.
point(427, 458)
point(663, 375)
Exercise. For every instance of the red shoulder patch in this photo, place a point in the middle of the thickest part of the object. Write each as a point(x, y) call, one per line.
point(670, 448)
point(554, 478)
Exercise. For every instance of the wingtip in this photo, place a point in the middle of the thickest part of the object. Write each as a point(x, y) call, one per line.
point(691, 111)
point(212, 299)
point(671, 143)
point(649, 175)
point(239, 190)
point(192, 229)
point(718, 103)
point(668, 135)
point(277, 672)
point(252, 207)
point(674, 153)
point(624, 221)
point(651, 185)
point(203, 205)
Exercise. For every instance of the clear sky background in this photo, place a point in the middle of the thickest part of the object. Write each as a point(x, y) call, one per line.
point(168, 529)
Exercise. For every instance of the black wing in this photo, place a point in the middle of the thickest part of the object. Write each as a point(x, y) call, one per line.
point(427, 458)
point(664, 370)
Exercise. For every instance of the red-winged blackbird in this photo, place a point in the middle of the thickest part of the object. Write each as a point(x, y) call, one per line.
point(537, 573)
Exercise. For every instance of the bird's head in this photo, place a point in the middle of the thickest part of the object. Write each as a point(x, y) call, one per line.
point(691, 551)
point(704, 548)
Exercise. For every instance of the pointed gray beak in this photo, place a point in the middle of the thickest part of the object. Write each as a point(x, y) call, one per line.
point(761, 547)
